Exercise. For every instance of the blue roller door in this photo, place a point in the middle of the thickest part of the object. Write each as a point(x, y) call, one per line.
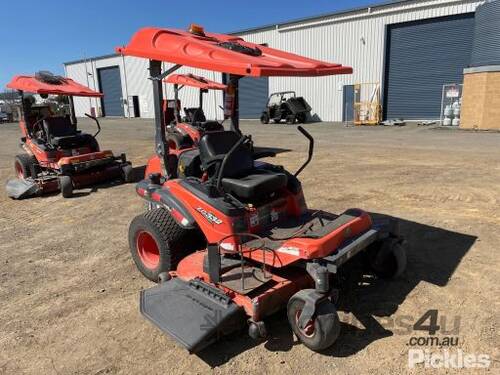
point(253, 93)
point(111, 86)
point(421, 57)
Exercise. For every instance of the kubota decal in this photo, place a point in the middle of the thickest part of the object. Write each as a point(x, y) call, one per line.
point(209, 216)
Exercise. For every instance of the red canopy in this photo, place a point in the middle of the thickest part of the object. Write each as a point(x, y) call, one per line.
point(66, 87)
point(223, 53)
point(195, 81)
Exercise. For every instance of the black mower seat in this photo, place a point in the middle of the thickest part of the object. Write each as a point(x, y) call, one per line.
point(240, 178)
point(195, 115)
point(73, 141)
point(259, 183)
point(62, 133)
point(208, 125)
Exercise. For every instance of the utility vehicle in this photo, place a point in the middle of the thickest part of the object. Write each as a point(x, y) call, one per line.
point(286, 106)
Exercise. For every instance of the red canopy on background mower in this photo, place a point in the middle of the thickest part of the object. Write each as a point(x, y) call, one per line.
point(61, 86)
point(223, 53)
point(195, 81)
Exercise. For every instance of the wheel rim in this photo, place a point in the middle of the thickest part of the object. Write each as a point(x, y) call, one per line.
point(148, 250)
point(308, 330)
point(19, 170)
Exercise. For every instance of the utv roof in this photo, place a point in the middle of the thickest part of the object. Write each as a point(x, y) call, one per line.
point(195, 81)
point(223, 53)
point(56, 86)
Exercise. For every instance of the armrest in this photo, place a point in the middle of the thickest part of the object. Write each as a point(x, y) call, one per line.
point(263, 154)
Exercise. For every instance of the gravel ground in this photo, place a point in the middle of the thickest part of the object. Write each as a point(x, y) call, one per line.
point(69, 288)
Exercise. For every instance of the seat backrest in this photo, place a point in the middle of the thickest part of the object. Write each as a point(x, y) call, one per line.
point(59, 126)
point(169, 110)
point(195, 115)
point(214, 145)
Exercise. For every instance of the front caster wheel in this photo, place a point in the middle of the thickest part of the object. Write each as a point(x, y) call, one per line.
point(321, 331)
point(257, 330)
point(66, 186)
point(388, 258)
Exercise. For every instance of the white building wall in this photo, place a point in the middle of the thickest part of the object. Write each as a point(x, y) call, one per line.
point(135, 80)
point(77, 73)
point(355, 39)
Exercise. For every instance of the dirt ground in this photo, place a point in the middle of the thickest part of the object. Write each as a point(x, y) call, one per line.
point(69, 289)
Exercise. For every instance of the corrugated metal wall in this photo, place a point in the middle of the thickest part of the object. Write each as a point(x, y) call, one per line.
point(134, 72)
point(253, 94)
point(486, 50)
point(111, 85)
point(422, 57)
point(356, 39)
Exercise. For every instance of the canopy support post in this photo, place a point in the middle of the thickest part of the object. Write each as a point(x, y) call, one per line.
point(161, 147)
point(232, 105)
point(72, 114)
point(176, 100)
point(23, 105)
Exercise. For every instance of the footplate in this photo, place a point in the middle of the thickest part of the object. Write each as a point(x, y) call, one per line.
point(194, 313)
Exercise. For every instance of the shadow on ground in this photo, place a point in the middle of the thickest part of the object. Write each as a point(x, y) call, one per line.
point(433, 255)
point(85, 191)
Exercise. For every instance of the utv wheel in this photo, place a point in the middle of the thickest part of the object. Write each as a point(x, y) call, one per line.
point(321, 331)
point(388, 258)
point(290, 120)
point(157, 243)
point(24, 166)
point(264, 119)
point(66, 186)
point(128, 174)
point(301, 118)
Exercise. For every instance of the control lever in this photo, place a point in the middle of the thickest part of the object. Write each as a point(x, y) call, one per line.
point(96, 121)
point(311, 148)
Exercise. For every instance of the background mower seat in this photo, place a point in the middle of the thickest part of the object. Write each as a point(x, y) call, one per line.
point(240, 177)
point(194, 115)
point(208, 125)
point(62, 133)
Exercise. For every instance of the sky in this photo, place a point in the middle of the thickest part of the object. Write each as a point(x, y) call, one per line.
point(41, 35)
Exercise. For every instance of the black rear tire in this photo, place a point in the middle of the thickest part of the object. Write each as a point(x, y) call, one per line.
point(66, 186)
point(324, 328)
point(24, 165)
point(301, 118)
point(290, 120)
point(387, 258)
point(158, 243)
point(178, 141)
